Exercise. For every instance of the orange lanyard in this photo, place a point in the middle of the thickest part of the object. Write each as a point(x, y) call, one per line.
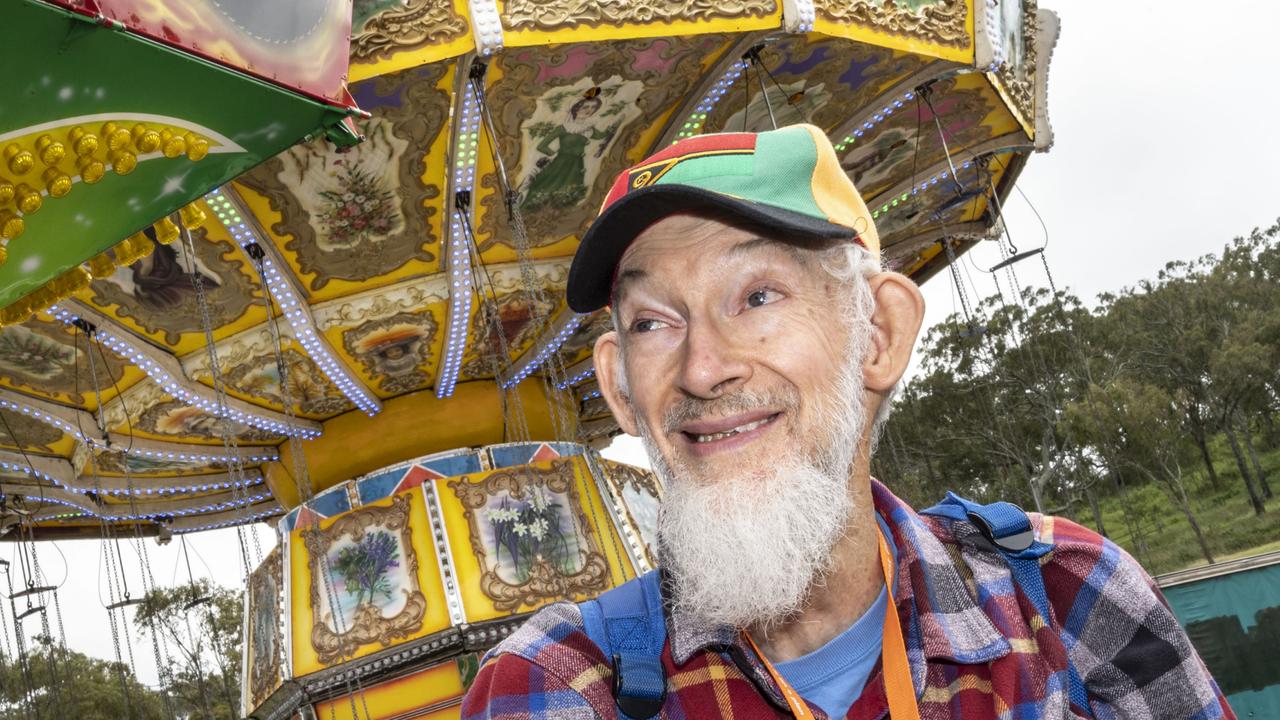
point(898, 691)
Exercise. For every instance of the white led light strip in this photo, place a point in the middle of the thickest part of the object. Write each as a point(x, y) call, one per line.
point(196, 398)
point(259, 454)
point(547, 350)
point(466, 146)
point(295, 312)
point(178, 512)
point(693, 126)
point(576, 378)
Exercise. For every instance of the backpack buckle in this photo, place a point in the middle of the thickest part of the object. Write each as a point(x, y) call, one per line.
point(1016, 541)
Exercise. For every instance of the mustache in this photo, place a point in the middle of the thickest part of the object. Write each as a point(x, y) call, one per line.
point(688, 409)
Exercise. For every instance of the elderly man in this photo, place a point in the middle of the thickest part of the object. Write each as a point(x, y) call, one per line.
point(757, 345)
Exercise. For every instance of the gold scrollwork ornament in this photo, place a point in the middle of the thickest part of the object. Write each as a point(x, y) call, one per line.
point(556, 14)
point(544, 582)
point(368, 624)
point(941, 22)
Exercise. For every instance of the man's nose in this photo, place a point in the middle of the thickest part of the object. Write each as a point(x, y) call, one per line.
point(713, 364)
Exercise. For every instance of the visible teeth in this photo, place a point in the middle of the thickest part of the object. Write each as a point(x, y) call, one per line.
point(731, 432)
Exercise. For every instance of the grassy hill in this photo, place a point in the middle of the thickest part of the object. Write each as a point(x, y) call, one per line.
point(1163, 542)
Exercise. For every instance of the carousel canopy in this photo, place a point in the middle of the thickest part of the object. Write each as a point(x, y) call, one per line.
point(238, 323)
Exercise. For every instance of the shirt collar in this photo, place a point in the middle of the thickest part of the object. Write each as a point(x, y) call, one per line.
point(940, 618)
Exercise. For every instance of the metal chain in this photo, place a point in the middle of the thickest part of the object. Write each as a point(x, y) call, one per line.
point(229, 441)
point(340, 628)
point(301, 476)
point(524, 260)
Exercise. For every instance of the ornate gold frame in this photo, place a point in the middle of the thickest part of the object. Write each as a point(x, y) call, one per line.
point(264, 677)
point(1021, 90)
point(418, 23)
point(544, 583)
point(942, 23)
point(369, 626)
point(557, 14)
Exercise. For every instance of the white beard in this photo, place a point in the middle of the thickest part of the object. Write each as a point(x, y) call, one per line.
point(746, 550)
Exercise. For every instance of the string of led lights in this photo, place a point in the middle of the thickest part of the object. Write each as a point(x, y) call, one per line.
point(466, 149)
point(259, 454)
point(547, 349)
point(876, 118)
point(722, 86)
point(196, 396)
point(296, 312)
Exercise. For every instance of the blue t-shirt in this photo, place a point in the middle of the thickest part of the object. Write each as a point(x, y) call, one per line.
point(833, 676)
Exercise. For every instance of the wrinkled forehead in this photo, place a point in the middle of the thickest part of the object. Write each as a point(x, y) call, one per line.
point(676, 244)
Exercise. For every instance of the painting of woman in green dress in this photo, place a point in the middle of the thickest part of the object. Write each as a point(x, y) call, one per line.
point(559, 177)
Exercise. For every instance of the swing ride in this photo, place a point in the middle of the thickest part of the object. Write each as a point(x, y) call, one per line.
point(219, 308)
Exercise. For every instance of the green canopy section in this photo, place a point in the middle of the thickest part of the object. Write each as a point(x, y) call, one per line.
point(103, 132)
point(1234, 622)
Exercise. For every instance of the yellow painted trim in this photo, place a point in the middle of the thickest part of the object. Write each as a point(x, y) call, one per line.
point(898, 42)
point(1027, 124)
point(588, 33)
point(398, 698)
point(410, 426)
point(413, 58)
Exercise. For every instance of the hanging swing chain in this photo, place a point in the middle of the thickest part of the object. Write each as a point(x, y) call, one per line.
point(753, 56)
point(302, 479)
point(229, 441)
point(20, 647)
point(111, 616)
point(340, 629)
point(148, 579)
point(104, 525)
point(925, 92)
point(195, 652)
point(524, 260)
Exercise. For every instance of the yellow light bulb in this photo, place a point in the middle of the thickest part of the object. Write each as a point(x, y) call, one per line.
point(4, 254)
point(197, 147)
point(91, 169)
point(117, 137)
point(20, 161)
point(77, 279)
point(7, 191)
point(166, 232)
point(145, 139)
point(172, 145)
point(123, 162)
point(57, 182)
point(29, 200)
point(11, 226)
point(83, 142)
point(51, 151)
point(192, 216)
point(100, 265)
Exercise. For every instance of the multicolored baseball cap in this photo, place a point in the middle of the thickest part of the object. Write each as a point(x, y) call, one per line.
point(788, 180)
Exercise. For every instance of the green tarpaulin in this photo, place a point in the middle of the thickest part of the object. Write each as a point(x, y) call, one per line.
point(1234, 622)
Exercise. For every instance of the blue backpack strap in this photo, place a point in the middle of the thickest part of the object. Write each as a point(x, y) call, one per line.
point(627, 624)
point(1008, 528)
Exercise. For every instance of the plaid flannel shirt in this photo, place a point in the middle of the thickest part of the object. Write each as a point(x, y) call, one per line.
point(976, 645)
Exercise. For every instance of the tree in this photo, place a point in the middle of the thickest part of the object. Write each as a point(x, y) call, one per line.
point(59, 684)
point(200, 623)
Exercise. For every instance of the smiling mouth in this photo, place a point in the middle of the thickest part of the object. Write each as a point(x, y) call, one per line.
point(700, 438)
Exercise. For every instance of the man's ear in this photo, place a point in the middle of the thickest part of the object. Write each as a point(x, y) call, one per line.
point(895, 325)
point(608, 369)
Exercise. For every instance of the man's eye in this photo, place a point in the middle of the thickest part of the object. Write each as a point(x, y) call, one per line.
point(647, 325)
point(763, 296)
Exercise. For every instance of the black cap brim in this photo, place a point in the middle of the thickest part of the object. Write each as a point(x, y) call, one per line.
point(591, 275)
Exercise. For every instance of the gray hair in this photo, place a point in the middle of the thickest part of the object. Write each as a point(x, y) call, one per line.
point(852, 265)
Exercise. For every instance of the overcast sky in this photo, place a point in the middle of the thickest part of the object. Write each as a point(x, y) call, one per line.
point(1164, 117)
